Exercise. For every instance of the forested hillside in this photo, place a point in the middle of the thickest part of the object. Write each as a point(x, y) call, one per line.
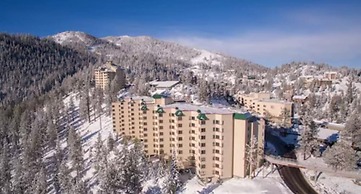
point(31, 66)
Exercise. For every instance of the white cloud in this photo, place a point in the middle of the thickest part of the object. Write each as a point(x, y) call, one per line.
point(270, 48)
point(307, 35)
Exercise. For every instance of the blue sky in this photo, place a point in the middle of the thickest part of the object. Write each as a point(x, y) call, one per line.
point(266, 32)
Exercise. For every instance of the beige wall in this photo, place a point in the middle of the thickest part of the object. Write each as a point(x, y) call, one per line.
point(103, 78)
point(105, 74)
point(264, 105)
point(216, 144)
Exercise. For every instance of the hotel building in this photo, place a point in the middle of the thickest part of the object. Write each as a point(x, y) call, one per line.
point(264, 105)
point(105, 74)
point(213, 140)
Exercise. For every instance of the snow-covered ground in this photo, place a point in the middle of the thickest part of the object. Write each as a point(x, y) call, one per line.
point(207, 58)
point(89, 134)
point(332, 184)
point(266, 181)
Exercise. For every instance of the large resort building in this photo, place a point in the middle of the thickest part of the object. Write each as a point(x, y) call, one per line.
point(105, 74)
point(262, 104)
point(213, 140)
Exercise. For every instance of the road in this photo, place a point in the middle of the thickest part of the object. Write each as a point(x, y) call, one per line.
point(293, 177)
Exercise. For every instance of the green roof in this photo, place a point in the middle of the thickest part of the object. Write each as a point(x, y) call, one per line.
point(179, 113)
point(240, 116)
point(160, 110)
point(157, 96)
point(144, 108)
point(202, 117)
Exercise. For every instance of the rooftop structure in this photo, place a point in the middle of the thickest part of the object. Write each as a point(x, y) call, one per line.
point(163, 84)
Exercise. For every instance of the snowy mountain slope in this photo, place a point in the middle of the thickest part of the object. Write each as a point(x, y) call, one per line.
point(207, 58)
point(118, 46)
point(75, 37)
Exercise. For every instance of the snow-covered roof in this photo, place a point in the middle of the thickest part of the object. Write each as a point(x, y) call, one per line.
point(145, 98)
point(163, 84)
point(203, 109)
point(328, 134)
point(275, 101)
point(335, 126)
point(299, 97)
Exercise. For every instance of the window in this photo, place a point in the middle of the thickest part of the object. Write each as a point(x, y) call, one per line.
point(203, 137)
point(161, 139)
point(180, 145)
point(203, 159)
point(180, 152)
point(160, 133)
point(203, 144)
point(160, 114)
point(179, 125)
point(160, 127)
point(203, 151)
point(193, 118)
point(192, 124)
point(216, 165)
point(203, 122)
point(203, 166)
point(180, 138)
point(193, 131)
point(203, 130)
point(180, 132)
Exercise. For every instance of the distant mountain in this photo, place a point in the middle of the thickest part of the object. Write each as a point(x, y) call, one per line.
point(137, 51)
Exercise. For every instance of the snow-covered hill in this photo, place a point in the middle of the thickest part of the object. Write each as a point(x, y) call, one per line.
point(119, 48)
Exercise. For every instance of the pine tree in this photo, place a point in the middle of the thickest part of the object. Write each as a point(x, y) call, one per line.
point(110, 142)
point(98, 155)
point(75, 152)
point(5, 170)
point(40, 184)
point(308, 137)
point(65, 178)
point(18, 183)
point(51, 134)
point(171, 182)
point(353, 130)
point(340, 156)
point(252, 155)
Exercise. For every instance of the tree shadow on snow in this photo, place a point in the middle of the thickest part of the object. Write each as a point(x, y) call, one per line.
point(209, 189)
point(154, 190)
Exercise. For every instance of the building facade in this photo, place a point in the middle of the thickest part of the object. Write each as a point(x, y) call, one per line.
point(212, 140)
point(331, 75)
point(262, 104)
point(105, 74)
